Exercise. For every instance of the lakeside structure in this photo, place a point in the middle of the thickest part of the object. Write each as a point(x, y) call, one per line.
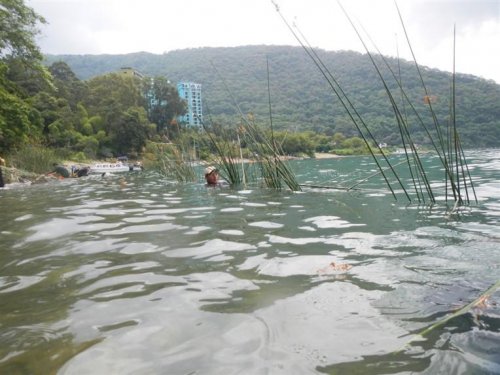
point(191, 93)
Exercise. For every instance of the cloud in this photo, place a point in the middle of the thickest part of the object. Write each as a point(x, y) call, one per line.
point(436, 19)
point(124, 26)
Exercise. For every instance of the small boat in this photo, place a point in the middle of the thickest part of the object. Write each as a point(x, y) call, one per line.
point(110, 167)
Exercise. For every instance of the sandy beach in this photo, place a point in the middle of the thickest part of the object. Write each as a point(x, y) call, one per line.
point(325, 155)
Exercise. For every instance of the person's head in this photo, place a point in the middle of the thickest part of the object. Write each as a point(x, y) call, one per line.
point(211, 175)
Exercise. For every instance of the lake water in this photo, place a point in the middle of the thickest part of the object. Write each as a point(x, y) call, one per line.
point(135, 274)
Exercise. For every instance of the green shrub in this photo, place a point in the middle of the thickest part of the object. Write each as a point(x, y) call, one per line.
point(79, 157)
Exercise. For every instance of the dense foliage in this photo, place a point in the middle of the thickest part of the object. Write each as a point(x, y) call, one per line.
point(21, 71)
point(106, 116)
point(301, 98)
point(49, 106)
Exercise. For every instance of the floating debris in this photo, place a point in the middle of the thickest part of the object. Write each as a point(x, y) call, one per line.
point(335, 267)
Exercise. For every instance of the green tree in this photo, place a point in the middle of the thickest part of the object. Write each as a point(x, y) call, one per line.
point(18, 28)
point(114, 105)
point(67, 84)
point(14, 121)
point(26, 80)
point(113, 90)
point(21, 71)
point(296, 143)
point(18, 48)
point(163, 102)
point(133, 132)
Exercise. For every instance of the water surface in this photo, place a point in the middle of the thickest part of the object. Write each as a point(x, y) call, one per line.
point(136, 274)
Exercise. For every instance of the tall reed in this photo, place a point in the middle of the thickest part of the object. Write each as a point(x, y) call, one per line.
point(228, 154)
point(454, 178)
point(171, 160)
point(345, 101)
point(275, 172)
point(451, 155)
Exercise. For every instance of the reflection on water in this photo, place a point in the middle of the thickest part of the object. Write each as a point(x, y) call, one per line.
point(148, 276)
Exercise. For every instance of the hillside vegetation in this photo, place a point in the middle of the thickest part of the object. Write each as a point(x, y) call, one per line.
point(301, 98)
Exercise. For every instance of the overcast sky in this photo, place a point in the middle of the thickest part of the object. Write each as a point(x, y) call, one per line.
point(158, 26)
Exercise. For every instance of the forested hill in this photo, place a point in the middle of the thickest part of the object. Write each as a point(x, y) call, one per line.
point(301, 98)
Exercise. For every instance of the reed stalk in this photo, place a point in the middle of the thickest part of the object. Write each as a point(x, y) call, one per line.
point(275, 172)
point(344, 100)
point(424, 86)
point(454, 185)
point(480, 299)
point(454, 138)
point(226, 157)
point(172, 160)
point(402, 125)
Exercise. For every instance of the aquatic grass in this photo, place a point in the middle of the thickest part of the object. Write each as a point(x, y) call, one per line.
point(171, 160)
point(456, 174)
point(344, 100)
point(454, 179)
point(458, 149)
point(400, 119)
point(35, 158)
point(275, 170)
point(228, 156)
point(265, 150)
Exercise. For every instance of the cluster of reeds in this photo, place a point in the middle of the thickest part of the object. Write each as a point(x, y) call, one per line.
point(264, 150)
point(172, 160)
point(450, 152)
point(274, 169)
point(228, 155)
point(261, 153)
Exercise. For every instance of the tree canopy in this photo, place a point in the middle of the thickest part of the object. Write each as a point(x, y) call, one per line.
point(18, 28)
point(50, 106)
point(21, 71)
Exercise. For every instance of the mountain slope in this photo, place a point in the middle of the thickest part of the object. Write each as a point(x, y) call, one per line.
point(301, 97)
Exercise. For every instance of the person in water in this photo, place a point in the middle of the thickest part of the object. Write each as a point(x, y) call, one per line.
point(2, 162)
point(81, 172)
point(211, 175)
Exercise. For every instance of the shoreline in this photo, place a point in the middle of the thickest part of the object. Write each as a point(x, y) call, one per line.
point(17, 176)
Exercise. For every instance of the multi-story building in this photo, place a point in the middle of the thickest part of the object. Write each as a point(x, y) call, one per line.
point(191, 93)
